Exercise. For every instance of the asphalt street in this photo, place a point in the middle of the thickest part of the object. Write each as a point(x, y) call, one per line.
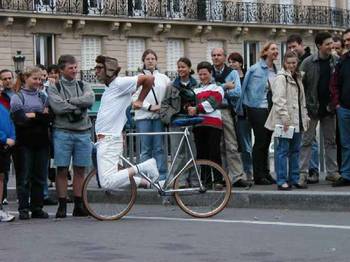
point(165, 233)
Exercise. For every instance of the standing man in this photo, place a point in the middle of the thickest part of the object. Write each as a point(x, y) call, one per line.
point(295, 43)
point(6, 77)
point(318, 69)
point(229, 80)
point(340, 90)
point(69, 100)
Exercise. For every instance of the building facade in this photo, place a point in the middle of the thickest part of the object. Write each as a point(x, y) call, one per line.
point(45, 29)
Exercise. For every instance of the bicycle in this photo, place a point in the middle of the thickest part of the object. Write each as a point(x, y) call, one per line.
point(201, 188)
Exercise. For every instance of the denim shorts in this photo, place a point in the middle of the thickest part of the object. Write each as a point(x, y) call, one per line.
point(70, 144)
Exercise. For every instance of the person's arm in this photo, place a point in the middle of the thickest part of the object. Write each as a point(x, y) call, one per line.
point(279, 99)
point(146, 81)
point(210, 104)
point(86, 100)
point(58, 104)
point(236, 91)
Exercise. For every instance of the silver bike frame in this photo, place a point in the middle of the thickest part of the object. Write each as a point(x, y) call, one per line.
point(184, 139)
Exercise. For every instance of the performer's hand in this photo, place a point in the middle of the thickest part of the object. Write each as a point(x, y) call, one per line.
point(137, 104)
point(191, 110)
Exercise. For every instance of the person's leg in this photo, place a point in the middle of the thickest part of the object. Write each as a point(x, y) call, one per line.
point(143, 126)
point(4, 216)
point(158, 149)
point(231, 154)
point(314, 162)
point(344, 131)
point(294, 152)
point(281, 156)
point(338, 142)
point(38, 177)
point(305, 151)
point(257, 118)
point(81, 160)
point(245, 138)
point(23, 170)
point(328, 127)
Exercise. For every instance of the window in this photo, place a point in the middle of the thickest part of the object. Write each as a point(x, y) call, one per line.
point(211, 45)
point(136, 7)
point(45, 6)
point(175, 50)
point(90, 48)
point(251, 50)
point(44, 49)
point(136, 47)
point(175, 8)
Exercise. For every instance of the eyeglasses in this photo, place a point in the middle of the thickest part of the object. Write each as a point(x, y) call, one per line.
point(99, 67)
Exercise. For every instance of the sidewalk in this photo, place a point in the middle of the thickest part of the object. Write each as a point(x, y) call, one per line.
point(322, 197)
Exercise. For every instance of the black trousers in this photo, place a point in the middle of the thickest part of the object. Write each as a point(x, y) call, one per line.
point(207, 140)
point(257, 118)
point(30, 166)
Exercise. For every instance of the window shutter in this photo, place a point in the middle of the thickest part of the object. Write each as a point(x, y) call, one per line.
point(136, 47)
point(175, 50)
point(211, 45)
point(90, 49)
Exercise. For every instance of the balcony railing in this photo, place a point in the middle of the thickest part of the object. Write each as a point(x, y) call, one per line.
point(223, 11)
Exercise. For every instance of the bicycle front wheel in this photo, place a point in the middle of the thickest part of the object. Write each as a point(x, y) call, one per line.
point(209, 200)
point(106, 204)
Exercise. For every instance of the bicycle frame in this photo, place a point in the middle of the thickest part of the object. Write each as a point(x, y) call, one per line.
point(163, 190)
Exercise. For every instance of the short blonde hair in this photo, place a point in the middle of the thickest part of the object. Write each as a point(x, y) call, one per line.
point(265, 48)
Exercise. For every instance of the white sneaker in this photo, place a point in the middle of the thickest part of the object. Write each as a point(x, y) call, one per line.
point(149, 168)
point(5, 202)
point(6, 217)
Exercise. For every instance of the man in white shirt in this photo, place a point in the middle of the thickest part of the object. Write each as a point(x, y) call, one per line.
point(110, 121)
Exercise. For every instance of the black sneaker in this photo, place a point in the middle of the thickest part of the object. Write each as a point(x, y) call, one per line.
point(50, 202)
point(341, 182)
point(24, 215)
point(313, 177)
point(262, 181)
point(242, 183)
point(61, 211)
point(270, 178)
point(40, 214)
point(80, 211)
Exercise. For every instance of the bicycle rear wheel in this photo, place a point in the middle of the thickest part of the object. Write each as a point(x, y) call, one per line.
point(207, 202)
point(106, 204)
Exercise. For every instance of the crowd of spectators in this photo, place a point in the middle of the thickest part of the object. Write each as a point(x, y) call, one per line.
point(44, 115)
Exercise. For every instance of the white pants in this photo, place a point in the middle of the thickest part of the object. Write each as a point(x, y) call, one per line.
point(109, 150)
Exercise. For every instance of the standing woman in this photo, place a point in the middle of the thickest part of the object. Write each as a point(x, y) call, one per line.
point(207, 134)
point(147, 119)
point(29, 108)
point(256, 97)
point(289, 110)
point(179, 95)
point(244, 129)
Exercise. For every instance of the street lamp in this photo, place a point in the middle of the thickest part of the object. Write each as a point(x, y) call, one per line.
point(18, 61)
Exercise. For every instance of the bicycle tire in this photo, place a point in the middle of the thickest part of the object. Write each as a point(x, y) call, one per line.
point(187, 200)
point(107, 205)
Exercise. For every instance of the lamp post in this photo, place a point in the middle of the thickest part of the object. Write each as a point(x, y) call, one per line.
point(18, 61)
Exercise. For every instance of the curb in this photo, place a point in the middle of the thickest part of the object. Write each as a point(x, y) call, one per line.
point(300, 200)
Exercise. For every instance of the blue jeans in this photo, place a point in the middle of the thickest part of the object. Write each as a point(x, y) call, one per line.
point(244, 134)
point(314, 160)
point(288, 150)
point(344, 130)
point(152, 146)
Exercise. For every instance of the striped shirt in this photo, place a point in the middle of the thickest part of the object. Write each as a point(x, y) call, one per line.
point(209, 97)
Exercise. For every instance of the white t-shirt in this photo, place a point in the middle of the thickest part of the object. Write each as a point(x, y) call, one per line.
point(111, 116)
